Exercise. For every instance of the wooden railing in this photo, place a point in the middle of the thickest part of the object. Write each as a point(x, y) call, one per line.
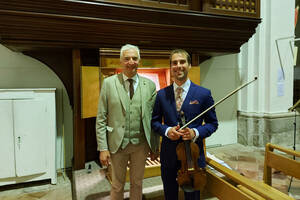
point(243, 8)
point(169, 4)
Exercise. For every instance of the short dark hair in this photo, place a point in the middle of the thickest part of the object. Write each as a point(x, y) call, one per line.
point(181, 51)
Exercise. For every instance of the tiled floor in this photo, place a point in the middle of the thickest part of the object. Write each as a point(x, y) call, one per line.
point(41, 190)
point(91, 186)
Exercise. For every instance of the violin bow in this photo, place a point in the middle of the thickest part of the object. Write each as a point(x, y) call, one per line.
point(220, 101)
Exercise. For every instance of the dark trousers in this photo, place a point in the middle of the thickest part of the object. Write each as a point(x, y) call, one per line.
point(170, 184)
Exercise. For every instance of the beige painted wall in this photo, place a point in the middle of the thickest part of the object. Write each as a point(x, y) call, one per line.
point(220, 75)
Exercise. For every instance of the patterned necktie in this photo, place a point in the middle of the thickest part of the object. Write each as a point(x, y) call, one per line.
point(179, 99)
point(131, 90)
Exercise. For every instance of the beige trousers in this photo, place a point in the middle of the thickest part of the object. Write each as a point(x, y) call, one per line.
point(136, 155)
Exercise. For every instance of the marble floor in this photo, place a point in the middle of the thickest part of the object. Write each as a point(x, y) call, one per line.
point(88, 186)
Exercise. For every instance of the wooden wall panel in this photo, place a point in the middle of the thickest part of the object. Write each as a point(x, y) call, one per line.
point(78, 123)
point(194, 74)
point(90, 91)
point(82, 24)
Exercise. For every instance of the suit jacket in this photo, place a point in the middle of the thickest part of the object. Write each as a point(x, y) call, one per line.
point(197, 100)
point(110, 122)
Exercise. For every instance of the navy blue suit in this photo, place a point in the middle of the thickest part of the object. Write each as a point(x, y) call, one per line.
point(165, 115)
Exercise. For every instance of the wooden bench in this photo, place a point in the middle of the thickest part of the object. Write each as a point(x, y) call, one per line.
point(254, 189)
point(280, 162)
point(240, 185)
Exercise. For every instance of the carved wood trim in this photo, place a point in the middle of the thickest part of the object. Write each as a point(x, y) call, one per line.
point(78, 123)
point(243, 8)
point(169, 4)
point(83, 25)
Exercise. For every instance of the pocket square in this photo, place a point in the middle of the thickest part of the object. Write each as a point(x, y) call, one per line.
point(194, 102)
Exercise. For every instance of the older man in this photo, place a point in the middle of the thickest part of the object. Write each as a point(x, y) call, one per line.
point(123, 127)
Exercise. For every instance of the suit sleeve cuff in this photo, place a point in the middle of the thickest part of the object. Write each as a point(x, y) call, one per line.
point(196, 134)
point(102, 149)
point(166, 132)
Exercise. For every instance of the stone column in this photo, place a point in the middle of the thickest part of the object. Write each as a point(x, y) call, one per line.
point(263, 106)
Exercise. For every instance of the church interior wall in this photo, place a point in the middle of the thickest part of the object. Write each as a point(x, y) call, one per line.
point(20, 71)
point(263, 114)
point(220, 75)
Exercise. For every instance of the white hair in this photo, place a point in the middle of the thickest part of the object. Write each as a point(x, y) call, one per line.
point(127, 47)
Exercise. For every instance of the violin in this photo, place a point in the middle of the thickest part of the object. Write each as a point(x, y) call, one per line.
point(190, 177)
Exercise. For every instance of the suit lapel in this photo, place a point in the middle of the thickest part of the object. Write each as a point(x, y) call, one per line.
point(143, 91)
point(171, 96)
point(120, 86)
point(189, 97)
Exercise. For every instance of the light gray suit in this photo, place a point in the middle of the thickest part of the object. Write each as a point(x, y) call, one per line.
point(112, 131)
point(110, 123)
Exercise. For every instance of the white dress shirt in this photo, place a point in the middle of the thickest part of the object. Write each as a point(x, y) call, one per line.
point(185, 87)
point(135, 79)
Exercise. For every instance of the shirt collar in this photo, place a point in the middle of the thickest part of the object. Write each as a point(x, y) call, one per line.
point(184, 86)
point(134, 78)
